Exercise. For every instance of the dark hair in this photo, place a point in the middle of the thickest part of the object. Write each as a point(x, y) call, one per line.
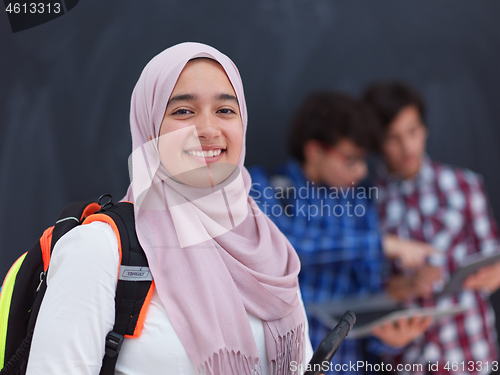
point(389, 98)
point(329, 117)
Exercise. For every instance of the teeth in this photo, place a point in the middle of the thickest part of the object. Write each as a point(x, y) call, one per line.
point(205, 154)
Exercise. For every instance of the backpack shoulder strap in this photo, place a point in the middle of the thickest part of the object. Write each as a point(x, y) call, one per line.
point(25, 287)
point(135, 283)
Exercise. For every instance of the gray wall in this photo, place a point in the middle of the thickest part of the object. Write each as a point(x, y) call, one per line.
point(65, 86)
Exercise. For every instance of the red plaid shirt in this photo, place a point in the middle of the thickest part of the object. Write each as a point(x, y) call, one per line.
point(446, 207)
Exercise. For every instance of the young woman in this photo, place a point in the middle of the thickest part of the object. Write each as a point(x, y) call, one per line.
point(226, 299)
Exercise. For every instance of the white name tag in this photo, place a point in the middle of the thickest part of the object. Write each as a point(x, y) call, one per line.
point(134, 273)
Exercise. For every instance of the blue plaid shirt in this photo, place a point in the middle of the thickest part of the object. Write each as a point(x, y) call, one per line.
point(336, 235)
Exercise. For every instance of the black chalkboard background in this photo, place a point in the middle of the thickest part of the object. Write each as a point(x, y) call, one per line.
point(65, 85)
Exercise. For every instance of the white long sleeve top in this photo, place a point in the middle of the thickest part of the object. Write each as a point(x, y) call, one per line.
point(78, 311)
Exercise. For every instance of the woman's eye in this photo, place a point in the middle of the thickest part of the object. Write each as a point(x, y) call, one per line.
point(225, 111)
point(182, 112)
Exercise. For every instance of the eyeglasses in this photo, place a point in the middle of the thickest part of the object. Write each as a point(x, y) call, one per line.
point(349, 161)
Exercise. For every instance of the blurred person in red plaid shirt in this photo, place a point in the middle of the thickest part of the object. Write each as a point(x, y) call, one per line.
point(447, 208)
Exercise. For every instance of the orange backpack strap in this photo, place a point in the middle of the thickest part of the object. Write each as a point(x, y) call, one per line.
point(135, 283)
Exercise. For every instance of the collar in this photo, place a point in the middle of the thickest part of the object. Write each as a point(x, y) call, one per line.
point(294, 171)
point(424, 176)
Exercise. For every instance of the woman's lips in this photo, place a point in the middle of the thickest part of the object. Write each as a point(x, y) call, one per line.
point(210, 156)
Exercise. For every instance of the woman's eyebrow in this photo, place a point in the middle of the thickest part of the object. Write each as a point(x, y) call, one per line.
point(182, 97)
point(191, 97)
point(221, 97)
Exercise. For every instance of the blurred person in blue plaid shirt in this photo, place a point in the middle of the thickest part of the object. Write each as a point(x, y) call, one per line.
point(317, 201)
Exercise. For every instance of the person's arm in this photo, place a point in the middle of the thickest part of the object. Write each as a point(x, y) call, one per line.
point(410, 253)
point(487, 278)
point(78, 308)
point(418, 285)
point(401, 333)
point(485, 235)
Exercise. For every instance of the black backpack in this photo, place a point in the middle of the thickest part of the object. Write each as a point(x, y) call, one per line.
point(25, 284)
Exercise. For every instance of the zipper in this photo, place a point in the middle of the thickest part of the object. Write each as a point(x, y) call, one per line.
point(42, 277)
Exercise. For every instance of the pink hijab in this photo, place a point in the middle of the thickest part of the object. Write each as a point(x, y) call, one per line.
point(213, 254)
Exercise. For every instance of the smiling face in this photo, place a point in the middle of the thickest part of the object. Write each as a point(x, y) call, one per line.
point(201, 135)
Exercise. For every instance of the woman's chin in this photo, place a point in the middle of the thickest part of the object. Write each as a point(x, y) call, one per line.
point(206, 176)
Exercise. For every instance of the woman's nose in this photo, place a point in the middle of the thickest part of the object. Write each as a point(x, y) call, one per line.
point(207, 127)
